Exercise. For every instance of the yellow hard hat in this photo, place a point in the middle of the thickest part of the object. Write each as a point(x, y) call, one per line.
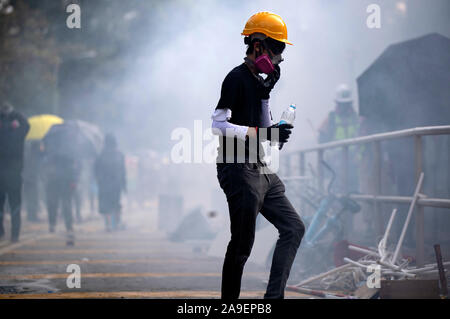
point(269, 24)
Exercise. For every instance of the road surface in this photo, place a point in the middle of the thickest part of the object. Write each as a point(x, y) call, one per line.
point(137, 262)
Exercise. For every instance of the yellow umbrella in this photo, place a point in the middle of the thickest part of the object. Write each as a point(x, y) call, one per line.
point(40, 124)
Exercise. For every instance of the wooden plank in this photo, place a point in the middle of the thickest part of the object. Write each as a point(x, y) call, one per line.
point(409, 289)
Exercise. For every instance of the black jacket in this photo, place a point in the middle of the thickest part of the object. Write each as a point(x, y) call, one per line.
point(13, 129)
point(110, 170)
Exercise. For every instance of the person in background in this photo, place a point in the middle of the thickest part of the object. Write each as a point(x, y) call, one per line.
point(342, 123)
point(13, 129)
point(31, 179)
point(92, 188)
point(111, 180)
point(77, 194)
point(61, 175)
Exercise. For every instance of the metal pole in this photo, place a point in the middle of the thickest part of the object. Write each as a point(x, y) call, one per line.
point(302, 164)
point(302, 173)
point(364, 251)
point(422, 201)
point(431, 130)
point(318, 293)
point(408, 217)
point(383, 243)
point(420, 233)
point(323, 275)
point(377, 181)
point(285, 165)
point(320, 170)
point(442, 278)
point(345, 178)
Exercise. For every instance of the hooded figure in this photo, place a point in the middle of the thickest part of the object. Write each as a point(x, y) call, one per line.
point(111, 180)
point(13, 129)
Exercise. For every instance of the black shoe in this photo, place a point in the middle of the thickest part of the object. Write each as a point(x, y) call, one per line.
point(14, 240)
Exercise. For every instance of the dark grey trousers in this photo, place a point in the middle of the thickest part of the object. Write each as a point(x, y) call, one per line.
point(11, 190)
point(249, 192)
point(59, 193)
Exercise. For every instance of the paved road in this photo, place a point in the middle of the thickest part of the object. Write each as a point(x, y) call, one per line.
point(138, 262)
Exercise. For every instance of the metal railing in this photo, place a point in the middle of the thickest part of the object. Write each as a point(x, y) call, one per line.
point(377, 198)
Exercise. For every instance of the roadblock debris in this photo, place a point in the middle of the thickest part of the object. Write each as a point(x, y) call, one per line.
point(351, 279)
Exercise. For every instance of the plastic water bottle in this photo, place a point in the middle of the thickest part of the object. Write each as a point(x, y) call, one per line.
point(288, 117)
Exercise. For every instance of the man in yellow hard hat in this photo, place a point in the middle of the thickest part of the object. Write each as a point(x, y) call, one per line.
point(343, 123)
point(242, 119)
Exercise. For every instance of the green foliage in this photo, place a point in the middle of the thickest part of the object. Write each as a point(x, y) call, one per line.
point(29, 60)
point(45, 67)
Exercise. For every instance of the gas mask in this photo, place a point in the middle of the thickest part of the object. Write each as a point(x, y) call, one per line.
point(265, 63)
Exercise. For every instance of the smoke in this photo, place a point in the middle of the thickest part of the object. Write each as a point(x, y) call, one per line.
point(176, 78)
point(180, 72)
point(177, 61)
